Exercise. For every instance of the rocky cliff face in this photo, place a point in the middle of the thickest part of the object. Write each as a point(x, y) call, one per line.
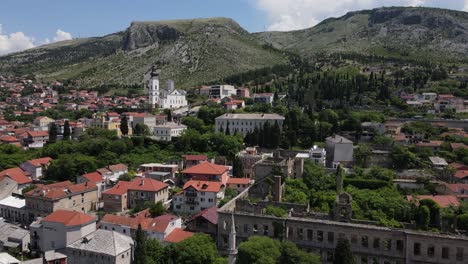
point(141, 35)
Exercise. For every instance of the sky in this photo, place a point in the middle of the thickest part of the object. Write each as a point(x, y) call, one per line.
point(26, 24)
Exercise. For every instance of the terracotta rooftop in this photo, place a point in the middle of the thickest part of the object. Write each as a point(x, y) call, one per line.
point(232, 180)
point(69, 218)
point(16, 174)
point(178, 235)
point(40, 162)
point(443, 201)
point(93, 177)
point(119, 189)
point(147, 184)
point(210, 214)
point(206, 168)
point(204, 186)
point(61, 189)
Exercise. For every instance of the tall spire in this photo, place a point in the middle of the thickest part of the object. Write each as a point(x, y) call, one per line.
point(232, 242)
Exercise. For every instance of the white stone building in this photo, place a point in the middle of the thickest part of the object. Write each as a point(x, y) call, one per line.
point(197, 196)
point(219, 91)
point(169, 130)
point(318, 155)
point(244, 123)
point(168, 98)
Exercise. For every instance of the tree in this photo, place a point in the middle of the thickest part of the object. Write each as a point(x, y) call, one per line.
point(291, 254)
point(362, 155)
point(238, 168)
point(157, 209)
point(258, 250)
point(154, 251)
point(141, 130)
point(124, 125)
point(228, 131)
point(423, 217)
point(66, 130)
point(343, 254)
point(197, 249)
point(53, 133)
point(140, 248)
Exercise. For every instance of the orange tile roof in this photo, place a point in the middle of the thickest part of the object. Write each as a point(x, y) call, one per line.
point(117, 167)
point(16, 174)
point(40, 162)
point(38, 133)
point(238, 180)
point(206, 168)
point(147, 184)
point(204, 186)
point(178, 235)
point(432, 143)
point(210, 214)
point(461, 174)
point(119, 189)
point(69, 218)
point(158, 224)
point(7, 138)
point(443, 201)
point(458, 145)
point(60, 190)
point(93, 177)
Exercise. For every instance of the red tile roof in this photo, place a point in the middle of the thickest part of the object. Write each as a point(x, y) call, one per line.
point(461, 174)
point(38, 133)
point(40, 162)
point(458, 145)
point(195, 157)
point(458, 166)
point(117, 167)
point(61, 189)
point(69, 218)
point(456, 188)
point(158, 224)
point(443, 201)
point(16, 174)
point(178, 235)
point(238, 180)
point(432, 143)
point(93, 177)
point(8, 139)
point(210, 214)
point(147, 184)
point(204, 186)
point(119, 189)
point(206, 168)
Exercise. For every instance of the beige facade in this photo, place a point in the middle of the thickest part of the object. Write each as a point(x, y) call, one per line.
point(114, 202)
point(139, 197)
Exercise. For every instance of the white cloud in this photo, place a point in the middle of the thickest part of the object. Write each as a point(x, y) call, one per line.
point(61, 35)
point(298, 14)
point(19, 41)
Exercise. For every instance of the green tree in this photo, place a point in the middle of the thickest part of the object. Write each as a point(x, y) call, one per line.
point(140, 248)
point(291, 254)
point(157, 209)
point(362, 155)
point(197, 249)
point(53, 133)
point(238, 168)
point(124, 125)
point(154, 251)
point(66, 130)
point(141, 130)
point(258, 250)
point(423, 217)
point(343, 254)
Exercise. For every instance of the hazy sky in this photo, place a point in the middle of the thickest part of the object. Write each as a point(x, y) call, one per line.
point(28, 23)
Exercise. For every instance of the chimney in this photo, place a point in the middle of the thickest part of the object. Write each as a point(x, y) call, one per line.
point(278, 189)
point(142, 182)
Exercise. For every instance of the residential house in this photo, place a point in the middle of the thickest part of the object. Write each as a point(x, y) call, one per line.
point(13, 237)
point(197, 195)
point(218, 91)
point(460, 190)
point(339, 150)
point(13, 209)
point(102, 246)
point(13, 180)
point(205, 221)
point(36, 167)
point(34, 139)
point(49, 198)
point(158, 171)
point(143, 190)
point(265, 98)
point(191, 160)
point(11, 140)
point(60, 229)
point(438, 163)
point(243, 92)
point(43, 122)
point(168, 131)
point(207, 171)
point(444, 201)
point(318, 155)
point(96, 178)
point(6, 258)
point(238, 184)
point(115, 199)
point(393, 127)
point(433, 145)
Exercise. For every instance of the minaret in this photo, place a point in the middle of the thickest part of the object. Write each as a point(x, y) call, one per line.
point(232, 242)
point(153, 88)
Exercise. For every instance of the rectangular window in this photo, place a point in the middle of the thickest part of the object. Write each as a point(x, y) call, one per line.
point(331, 237)
point(300, 233)
point(265, 230)
point(430, 251)
point(399, 245)
point(310, 234)
point(417, 249)
point(364, 241)
point(353, 239)
point(376, 243)
point(459, 255)
point(445, 253)
point(319, 236)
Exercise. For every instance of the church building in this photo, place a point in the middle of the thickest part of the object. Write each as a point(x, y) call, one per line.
point(168, 98)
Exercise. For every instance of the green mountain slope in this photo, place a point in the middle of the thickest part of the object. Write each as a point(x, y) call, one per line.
point(394, 31)
point(190, 52)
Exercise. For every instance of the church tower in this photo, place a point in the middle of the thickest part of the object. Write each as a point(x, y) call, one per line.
point(232, 243)
point(153, 88)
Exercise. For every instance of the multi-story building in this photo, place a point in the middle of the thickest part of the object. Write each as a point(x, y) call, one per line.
point(197, 196)
point(13, 180)
point(265, 98)
point(102, 246)
point(34, 139)
point(191, 160)
point(245, 123)
point(249, 157)
point(168, 130)
point(164, 98)
point(36, 167)
point(207, 171)
point(219, 91)
point(143, 190)
point(13, 237)
point(205, 221)
point(13, 209)
point(339, 150)
point(115, 199)
point(60, 229)
point(65, 195)
point(158, 171)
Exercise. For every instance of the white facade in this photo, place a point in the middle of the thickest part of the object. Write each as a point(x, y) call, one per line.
point(168, 98)
point(245, 123)
point(198, 197)
point(167, 131)
point(318, 155)
point(219, 91)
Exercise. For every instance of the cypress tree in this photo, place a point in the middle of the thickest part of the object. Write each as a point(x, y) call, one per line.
point(124, 125)
point(66, 130)
point(140, 251)
point(227, 132)
point(343, 254)
point(53, 133)
point(275, 136)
